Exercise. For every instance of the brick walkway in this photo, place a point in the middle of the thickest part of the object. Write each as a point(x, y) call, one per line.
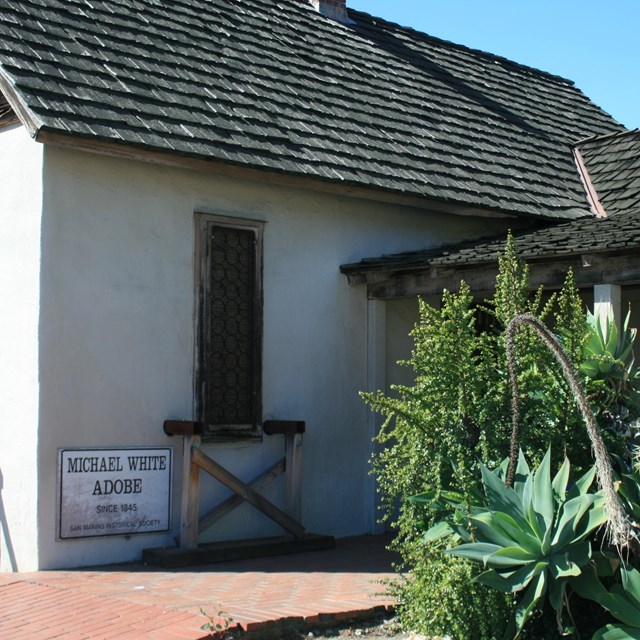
point(133, 602)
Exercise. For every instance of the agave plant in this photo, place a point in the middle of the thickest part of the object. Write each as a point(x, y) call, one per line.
point(609, 365)
point(607, 353)
point(628, 487)
point(532, 538)
point(622, 601)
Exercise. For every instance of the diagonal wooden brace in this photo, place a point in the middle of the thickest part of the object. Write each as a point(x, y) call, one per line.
point(234, 483)
point(227, 506)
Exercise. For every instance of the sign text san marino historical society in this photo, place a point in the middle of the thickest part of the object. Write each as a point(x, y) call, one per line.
point(104, 492)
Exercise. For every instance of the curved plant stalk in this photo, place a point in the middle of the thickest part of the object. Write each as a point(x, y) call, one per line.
point(618, 528)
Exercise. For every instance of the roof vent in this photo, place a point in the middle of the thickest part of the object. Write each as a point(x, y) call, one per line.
point(334, 9)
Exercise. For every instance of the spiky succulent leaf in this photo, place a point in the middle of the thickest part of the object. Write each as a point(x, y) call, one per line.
point(510, 557)
point(526, 538)
point(610, 332)
point(616, 632)
point(521, 475)
point(543, 503)
point(587, 585)
point(595, 517)
point(489, 528)
point(606, 563)
point(476, 551)
point(513, 581)
point(618, 604)
point(437, 532)
point(631, 585)
point(583, 483)
point(533, 538)
point(500, 497)
point(569, 522)
point(615, 601)
point(533, 595)
point(560, 482)
point(579, 553)
point(561, 566)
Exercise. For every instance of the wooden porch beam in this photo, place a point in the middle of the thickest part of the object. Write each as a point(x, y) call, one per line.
point(589, 270)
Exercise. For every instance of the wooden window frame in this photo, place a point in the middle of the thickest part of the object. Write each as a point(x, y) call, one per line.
point(227, 432)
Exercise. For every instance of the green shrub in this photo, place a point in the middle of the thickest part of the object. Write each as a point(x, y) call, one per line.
point(440, 588)
point(459, 412)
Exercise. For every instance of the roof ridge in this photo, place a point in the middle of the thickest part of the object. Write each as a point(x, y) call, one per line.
point(607, 136)
point(479, 52)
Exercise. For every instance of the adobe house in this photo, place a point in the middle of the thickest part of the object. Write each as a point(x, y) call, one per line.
point(180, 183)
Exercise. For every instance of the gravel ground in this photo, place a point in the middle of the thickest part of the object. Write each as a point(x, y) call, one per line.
point(373, 630)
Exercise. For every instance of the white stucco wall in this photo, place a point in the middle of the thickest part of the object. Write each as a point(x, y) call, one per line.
point(117, 330)
point(20, 213)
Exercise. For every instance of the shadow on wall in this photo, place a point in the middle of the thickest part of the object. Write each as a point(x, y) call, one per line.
point(5, 530)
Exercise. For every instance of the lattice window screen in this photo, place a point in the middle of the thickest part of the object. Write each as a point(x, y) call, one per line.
point(229, 362)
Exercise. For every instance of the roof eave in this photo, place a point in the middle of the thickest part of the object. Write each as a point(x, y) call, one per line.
point(99, 146)
point(24, 114)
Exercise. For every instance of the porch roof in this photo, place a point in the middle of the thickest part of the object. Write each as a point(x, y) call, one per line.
point(599, 249)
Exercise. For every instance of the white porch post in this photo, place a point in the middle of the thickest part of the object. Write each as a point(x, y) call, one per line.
point(376, 380)
point(607, 302)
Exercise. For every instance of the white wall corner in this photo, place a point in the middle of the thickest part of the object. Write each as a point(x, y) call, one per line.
point(21, 167)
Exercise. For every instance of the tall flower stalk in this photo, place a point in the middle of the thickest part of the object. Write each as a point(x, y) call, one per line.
point(618, 528)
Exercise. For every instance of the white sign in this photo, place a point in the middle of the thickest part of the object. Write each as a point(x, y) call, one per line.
point(105, 492)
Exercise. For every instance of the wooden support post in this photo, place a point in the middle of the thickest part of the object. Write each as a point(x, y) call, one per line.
point(607, 302)
point(376, 381)
point(293, 458)
point(189, 502)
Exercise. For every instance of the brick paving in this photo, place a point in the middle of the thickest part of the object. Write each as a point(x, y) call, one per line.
point(135, 602)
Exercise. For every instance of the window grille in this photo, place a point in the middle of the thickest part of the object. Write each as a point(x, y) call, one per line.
point(230, 336)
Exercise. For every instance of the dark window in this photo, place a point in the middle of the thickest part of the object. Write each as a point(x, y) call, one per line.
point(229, 349)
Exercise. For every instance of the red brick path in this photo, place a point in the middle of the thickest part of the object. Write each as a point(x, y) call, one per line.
point(135, 602)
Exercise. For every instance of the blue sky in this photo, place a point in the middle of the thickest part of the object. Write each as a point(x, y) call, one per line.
point(595, 43)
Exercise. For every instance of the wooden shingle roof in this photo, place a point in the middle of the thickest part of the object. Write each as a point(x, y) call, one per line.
point(274, 85)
